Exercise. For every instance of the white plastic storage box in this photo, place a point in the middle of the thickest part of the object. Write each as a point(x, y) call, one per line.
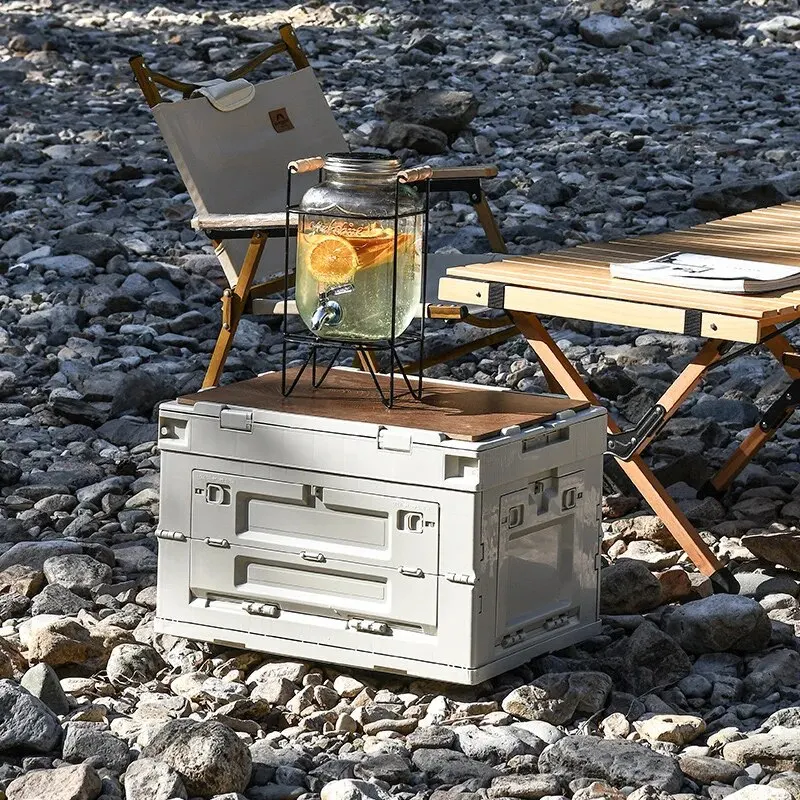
point(324, 527)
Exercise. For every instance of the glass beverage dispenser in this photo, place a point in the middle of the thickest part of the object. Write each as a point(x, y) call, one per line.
point(347, 232)
point(360, 264)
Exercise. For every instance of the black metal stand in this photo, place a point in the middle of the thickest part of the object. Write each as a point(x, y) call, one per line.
point(362, 347)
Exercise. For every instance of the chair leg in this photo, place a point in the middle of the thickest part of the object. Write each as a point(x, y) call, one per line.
point(489, 224)
point(759, 435)
point(233, 304)
point(637, 471)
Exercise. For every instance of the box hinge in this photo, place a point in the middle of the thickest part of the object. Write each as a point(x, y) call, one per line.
point(415, 572)
point(598, 561)
point(556, 622)
point(236, 419)
point(262, 609)
point(369, 626)
point(175, 536)
point(396, 440)
point(511, 639)
point(467, 578)
point(216, 542)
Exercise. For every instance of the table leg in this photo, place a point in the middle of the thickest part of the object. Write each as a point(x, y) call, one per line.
point(758, 436)
point(637, 471)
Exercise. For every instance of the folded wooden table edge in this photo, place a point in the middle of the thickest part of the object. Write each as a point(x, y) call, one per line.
point(576, 284)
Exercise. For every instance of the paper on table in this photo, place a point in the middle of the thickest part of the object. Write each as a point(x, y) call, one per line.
point(710, 273)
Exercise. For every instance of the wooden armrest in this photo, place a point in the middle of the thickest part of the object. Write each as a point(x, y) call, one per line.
point(460, 313)
point(240, 222)
point(454, 173)
point(442, 311)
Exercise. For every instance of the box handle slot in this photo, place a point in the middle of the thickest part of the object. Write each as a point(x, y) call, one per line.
point(216, 542)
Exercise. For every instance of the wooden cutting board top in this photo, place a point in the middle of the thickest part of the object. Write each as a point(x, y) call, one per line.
point(460, 411)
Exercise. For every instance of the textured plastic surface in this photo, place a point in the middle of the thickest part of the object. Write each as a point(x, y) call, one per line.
point(379, 548)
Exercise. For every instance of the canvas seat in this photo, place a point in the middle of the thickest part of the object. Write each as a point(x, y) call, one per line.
point(232, 141)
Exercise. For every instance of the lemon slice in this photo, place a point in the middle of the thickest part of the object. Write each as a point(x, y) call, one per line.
point(332, 260)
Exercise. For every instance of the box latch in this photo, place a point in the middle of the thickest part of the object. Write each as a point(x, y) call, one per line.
point(369, 626)
point(396, 440)
point(262, 609)
point(466, 578)
point(236, 419)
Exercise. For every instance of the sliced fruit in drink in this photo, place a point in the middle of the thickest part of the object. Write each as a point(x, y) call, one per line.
point(332, 260)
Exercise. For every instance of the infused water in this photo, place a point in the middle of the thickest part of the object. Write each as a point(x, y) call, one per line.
point(349, 265)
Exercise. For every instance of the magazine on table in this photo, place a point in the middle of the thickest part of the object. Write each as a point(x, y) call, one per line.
point(710, 273)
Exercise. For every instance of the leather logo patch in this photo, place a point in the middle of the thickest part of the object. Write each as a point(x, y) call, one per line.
point(280, 120)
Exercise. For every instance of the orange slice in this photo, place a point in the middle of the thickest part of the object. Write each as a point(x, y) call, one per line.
point(332, 260)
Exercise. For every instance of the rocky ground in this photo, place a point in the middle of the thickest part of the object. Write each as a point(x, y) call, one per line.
point(665, 115)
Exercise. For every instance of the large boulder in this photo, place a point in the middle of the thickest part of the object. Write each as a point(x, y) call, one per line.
point(209, 756)
point(443, 109)
point(603, 30)
point(628, 587)
point(26, 723)
point(719, 623)
point(422, 138)
point(620, 763)
point(557, 697)
point(735, 198)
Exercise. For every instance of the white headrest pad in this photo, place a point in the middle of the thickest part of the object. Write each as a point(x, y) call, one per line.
point(227, 95)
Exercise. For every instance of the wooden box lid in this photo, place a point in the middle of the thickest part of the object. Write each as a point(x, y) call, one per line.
point(458, 410)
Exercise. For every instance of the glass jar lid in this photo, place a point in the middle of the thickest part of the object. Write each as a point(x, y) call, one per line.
point(361, 164)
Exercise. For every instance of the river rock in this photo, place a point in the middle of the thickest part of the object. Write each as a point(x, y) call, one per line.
point(677, 729)
point(208, 756)
point(148, 779)
point(603, 30)
point(777, 751)
point(42, 682)
point(620, 763)
point(80, 782)
point(26, 723)
point(557, 697)
point(628, 587)
point(780, 547)
point(718, 623)
point(133, 663)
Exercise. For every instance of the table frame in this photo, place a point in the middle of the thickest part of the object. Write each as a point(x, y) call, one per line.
point(575, 284)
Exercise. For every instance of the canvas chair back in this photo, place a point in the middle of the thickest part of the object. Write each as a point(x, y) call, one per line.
point(234, 162)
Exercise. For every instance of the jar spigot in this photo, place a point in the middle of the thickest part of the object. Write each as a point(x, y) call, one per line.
point(329, 311)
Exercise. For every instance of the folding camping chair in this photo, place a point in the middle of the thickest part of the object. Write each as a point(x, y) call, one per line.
point(232, 142)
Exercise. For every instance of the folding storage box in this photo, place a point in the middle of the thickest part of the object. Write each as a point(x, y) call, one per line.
point(334, 531)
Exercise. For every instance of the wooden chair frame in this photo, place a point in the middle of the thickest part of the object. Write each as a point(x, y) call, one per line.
point(237, 299)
